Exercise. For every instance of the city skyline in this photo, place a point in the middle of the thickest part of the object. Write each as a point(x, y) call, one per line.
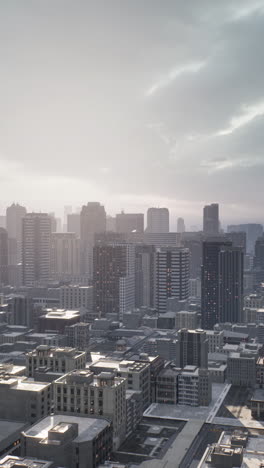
point(99, 109)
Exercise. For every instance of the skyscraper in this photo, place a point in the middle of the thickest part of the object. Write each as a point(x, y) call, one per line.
point(65, 256)
point(158, 220)
point(36, 247)
point(253, 232)
point(222, 282)
point(211, 219)
point(231, 270)
point(92, 221)
point(145, 255)
point(171, 277)
point(238, 239)
point(114, 278)
point(3, 257)
point(180, 225)
point(14, 215)
point(192, 348)
point(129, 222)
point(259, 261)
point(73, 223)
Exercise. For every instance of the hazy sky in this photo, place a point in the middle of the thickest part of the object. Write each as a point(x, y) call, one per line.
point(133, 103)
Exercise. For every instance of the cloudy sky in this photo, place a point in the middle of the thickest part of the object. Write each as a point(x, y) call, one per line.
point(133, 103)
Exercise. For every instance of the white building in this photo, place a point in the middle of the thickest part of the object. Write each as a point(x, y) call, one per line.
point(57, 359)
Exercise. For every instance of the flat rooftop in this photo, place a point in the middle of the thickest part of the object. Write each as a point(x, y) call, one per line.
point(88, 428)
point(186, 413)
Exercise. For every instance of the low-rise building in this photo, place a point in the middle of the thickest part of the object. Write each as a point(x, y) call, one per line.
point(257, 404)
point(186, 319)
point(23, 400)
point(10, 461)
point(167, 386)
point(137, 375)
point(56, 320)
point(69, 441)
point(82, 392)
point(60, 360)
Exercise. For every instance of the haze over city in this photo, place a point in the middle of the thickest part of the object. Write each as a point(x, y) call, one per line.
point(133, 103)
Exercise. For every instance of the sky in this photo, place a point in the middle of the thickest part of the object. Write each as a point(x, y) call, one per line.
point(134, 104)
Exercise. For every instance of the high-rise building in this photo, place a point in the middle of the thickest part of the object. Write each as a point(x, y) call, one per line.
point(92, 221)
point(144, 286)
point(158, 220)
point(231, 270)
point(36, 247)
point(20, 310)
point(258, 262)
point(129, 222)
point(74, 223)
point(180, 225)
point(211, 219)
point(253, 232)
point(65, 256)
point(3, 257)
point(222, 282)
point(14, 215)
point(192, 348)
point(171, 277)
point(74, 297)
point(238, 239)
point(114, 278)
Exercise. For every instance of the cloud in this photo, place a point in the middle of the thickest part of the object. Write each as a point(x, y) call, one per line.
point(134, 100)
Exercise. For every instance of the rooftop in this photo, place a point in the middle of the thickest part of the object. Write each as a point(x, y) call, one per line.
point(88, 428)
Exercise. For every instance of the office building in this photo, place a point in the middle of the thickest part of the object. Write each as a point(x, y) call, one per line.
point(210, 282)
point(167, 386)
point(258, 262)
point(78, 335)
point(211, 219)
point(238, 239)
point(253, 232)
point(215, 340)
point(130, 222)
point(194, 387)
point(56, 320)
point(186, 319)
point(195, 247)
point(23, 400)
point(82, 392)
point(114, 278)
point(231, 269)
point(158, 220)
point(241, 369)
point(192, 348)
point(11, 461)
point(14, 215)
point(92, 221)
point(74, 223)
point(20, 310)
point(180, 225)
point(69, 441)
point(137, 375)
point(65, 256)
point(36, 247)
point(3, 257)
point(171, 276)
point(61, 360)
point(74, 297)
point(144, 275)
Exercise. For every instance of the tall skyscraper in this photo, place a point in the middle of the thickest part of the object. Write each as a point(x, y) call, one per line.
point(114, 278)
point(238, 239)
point(231, 270)
point(171, 277)
point(65, 256)
point(14, 215)
point(36, 248)
point(253, 232)
point(158, 220)
point(74, 223)
point(180, 225)
point(192, 348)
point(92, 221)
point(145, 255)
point(129, 222)
point(259, 261)
point(3, 257)
point(222, 282)
point(211, 219)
